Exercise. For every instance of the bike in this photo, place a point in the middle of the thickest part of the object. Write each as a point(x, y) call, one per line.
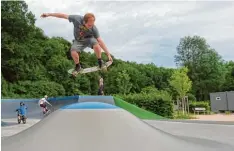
point(20, 117)
point(45, 113)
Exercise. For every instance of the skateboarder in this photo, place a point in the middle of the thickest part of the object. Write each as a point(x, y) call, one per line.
point(101, 86)
point(42, 103)
point(86, 34)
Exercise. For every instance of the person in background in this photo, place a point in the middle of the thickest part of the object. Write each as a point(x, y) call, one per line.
point(42, 103)
point(22, 110)
point(101, 86)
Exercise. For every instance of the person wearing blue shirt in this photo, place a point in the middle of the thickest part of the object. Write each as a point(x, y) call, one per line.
point(22, 110)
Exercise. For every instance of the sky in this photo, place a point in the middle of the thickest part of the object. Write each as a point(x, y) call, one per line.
point(145, 32)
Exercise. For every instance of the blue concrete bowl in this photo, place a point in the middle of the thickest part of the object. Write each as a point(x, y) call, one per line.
point(89, 105)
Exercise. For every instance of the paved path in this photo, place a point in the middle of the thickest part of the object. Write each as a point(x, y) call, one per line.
point(216, 132)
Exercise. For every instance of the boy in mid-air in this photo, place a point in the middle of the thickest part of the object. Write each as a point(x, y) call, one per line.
point(86, 34)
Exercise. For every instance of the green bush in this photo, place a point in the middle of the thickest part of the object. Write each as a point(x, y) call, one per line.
point(4, 87)
point(138, 112)
point(152, 90)
point(200, 104)
point(180, 115)
point(228, 112)
point(152, 102)
point(24, 89)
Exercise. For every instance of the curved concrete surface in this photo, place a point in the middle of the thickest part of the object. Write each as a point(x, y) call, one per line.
point(9, 124)
point(3, 123)
point(103, 99)
point(8, 107)
point(199, 121)
point(101, 130)
point(81, 127)
point(90, 105)
point(216, 132)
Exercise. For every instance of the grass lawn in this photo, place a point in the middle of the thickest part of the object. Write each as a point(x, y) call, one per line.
point(138, 112)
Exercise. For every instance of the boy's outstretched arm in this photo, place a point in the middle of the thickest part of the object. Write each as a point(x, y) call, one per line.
point(104, 47)
point(58, 15)
point(48, 103)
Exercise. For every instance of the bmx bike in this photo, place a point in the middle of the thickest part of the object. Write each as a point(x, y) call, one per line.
point(20, 117)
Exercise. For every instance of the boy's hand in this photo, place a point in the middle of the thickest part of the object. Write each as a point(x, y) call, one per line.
point(110, 58)
point(45, 15)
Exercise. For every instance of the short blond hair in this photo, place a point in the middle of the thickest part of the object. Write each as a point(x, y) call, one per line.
point(87, 16)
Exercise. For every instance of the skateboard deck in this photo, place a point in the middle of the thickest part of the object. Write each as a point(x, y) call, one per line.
point(90, 69)
point(47, 113)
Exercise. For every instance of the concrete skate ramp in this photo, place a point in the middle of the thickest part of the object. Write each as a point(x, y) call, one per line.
point(8, 106)
point(112, 129)
point(3, 123)
point(103, 99)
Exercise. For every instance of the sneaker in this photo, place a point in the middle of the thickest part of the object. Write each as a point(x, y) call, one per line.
point(101, 64)
point(77, 69)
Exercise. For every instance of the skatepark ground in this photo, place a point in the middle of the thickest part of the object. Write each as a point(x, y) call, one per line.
point(102, 123)
point(216, 117)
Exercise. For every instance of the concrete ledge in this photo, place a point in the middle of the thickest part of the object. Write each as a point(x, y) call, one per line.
point(103, 99)
point(89, 105)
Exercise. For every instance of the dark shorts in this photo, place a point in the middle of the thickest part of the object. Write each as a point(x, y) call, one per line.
point(80, 45)
point(21, 115)
point(43, 105)
point(100, 90)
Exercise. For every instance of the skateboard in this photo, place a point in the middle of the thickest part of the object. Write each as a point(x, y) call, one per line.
point(90, 69)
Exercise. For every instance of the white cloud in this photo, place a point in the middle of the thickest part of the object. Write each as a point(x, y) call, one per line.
point(146, 31)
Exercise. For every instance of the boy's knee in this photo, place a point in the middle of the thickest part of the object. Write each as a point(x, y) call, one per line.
point(74, 52)
point(96, 46)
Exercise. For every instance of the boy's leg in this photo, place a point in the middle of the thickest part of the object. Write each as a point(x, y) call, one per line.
point(75, 51)
point(93, 44)
point(99, 92)
point(75, 57)
point(45, 107)
point(42, 106)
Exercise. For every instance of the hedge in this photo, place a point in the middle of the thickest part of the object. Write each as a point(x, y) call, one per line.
point(152, 102)
point(28, 89)
point(199, 104)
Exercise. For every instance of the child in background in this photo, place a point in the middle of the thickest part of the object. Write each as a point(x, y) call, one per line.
point(22, 110)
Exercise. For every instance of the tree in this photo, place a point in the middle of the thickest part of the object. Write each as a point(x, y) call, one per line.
point(206, 69)
point(31, 61)
point(181, 83)
point(123, 82)
point(229, 76)
point(17, 25)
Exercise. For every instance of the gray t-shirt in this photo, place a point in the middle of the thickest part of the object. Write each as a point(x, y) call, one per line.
point(80, 31)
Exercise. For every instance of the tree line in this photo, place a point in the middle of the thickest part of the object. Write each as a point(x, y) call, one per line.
point(34, 65)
